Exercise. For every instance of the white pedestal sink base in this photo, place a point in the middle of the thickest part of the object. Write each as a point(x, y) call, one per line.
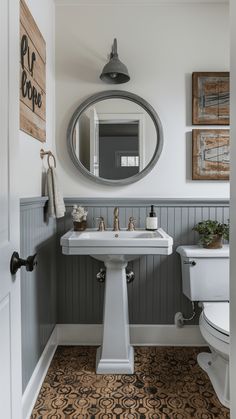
point(115, 249)
point(115, 356)
point(115, 366)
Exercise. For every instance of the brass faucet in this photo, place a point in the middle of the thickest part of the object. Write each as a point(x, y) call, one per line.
point(116, 222)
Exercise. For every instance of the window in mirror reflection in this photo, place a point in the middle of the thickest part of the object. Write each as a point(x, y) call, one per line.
point(129, 161)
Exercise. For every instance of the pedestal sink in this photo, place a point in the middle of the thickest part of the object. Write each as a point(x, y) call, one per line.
point(115, 249)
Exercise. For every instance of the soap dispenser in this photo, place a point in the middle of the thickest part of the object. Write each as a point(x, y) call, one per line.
point(151, 221)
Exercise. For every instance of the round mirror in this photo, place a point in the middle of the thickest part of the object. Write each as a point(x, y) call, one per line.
point(115, 137)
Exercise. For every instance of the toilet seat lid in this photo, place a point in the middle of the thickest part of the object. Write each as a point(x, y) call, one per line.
point(217, 315)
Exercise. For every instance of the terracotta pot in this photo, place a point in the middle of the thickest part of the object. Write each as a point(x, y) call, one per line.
point(215, 244)
point(80, 225)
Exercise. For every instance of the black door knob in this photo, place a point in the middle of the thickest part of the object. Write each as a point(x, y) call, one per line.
point(17, 262)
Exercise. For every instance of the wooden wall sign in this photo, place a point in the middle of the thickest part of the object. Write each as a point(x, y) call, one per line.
point(210, 154)
point(210, 98)
point(32, 76)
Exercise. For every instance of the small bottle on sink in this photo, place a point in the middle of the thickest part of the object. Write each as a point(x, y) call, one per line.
point(151, 221)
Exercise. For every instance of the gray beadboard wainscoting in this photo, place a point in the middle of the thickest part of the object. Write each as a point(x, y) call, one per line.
point(63, 289)
point(38, 288)
point(155, 295)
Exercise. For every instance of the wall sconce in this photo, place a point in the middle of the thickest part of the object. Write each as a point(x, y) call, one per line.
point(115, 72)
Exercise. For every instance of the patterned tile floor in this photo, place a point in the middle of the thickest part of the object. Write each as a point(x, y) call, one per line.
point(167, 384)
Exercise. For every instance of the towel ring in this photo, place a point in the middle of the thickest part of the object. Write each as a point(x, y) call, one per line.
point(49, 154)
point(54, 160)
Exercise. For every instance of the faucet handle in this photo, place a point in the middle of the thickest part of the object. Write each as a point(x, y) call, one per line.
point(131, 225)
point(101, 226)
point(116, 212)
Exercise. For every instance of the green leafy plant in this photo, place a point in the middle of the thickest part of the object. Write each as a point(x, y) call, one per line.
point(209, 230)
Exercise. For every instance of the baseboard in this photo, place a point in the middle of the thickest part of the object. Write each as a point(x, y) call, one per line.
point(79, 334)
point(166, 335)
point(31, 392)
point(140, 335)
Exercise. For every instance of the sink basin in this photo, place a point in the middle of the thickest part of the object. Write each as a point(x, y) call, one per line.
point(126, 243)
point(115, 249)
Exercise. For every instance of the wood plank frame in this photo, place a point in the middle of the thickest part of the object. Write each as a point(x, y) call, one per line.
point(32, 76)
point(210, 148)
point(210, 98)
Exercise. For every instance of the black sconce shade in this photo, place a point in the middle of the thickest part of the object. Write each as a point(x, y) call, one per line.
point(115, 72)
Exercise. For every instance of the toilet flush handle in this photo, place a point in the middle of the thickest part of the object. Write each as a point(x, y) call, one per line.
point(190, 262)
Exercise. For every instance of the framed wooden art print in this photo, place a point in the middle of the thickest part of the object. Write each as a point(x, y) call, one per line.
point(210, 97)
point(210, 154)
point(32, 76)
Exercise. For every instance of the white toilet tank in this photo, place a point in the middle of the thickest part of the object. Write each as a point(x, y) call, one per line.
point(205, 273)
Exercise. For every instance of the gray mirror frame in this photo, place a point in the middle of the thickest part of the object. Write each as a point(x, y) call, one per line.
point(115, 94)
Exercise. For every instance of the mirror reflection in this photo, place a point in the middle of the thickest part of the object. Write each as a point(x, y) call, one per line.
point(114, 138)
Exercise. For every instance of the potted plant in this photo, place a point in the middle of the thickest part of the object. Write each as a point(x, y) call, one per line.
point(211, 233)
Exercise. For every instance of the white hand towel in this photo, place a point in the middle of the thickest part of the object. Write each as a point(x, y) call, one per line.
point(56, 206)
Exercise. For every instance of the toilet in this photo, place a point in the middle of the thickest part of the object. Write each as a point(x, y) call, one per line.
point(205, 278)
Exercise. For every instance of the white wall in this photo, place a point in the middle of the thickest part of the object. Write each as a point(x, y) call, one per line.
point(233, 213)
point(161, 45)
point(31, 166)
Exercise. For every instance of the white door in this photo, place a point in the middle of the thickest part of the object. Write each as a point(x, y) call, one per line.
point(10, 319)
point(94, 142)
